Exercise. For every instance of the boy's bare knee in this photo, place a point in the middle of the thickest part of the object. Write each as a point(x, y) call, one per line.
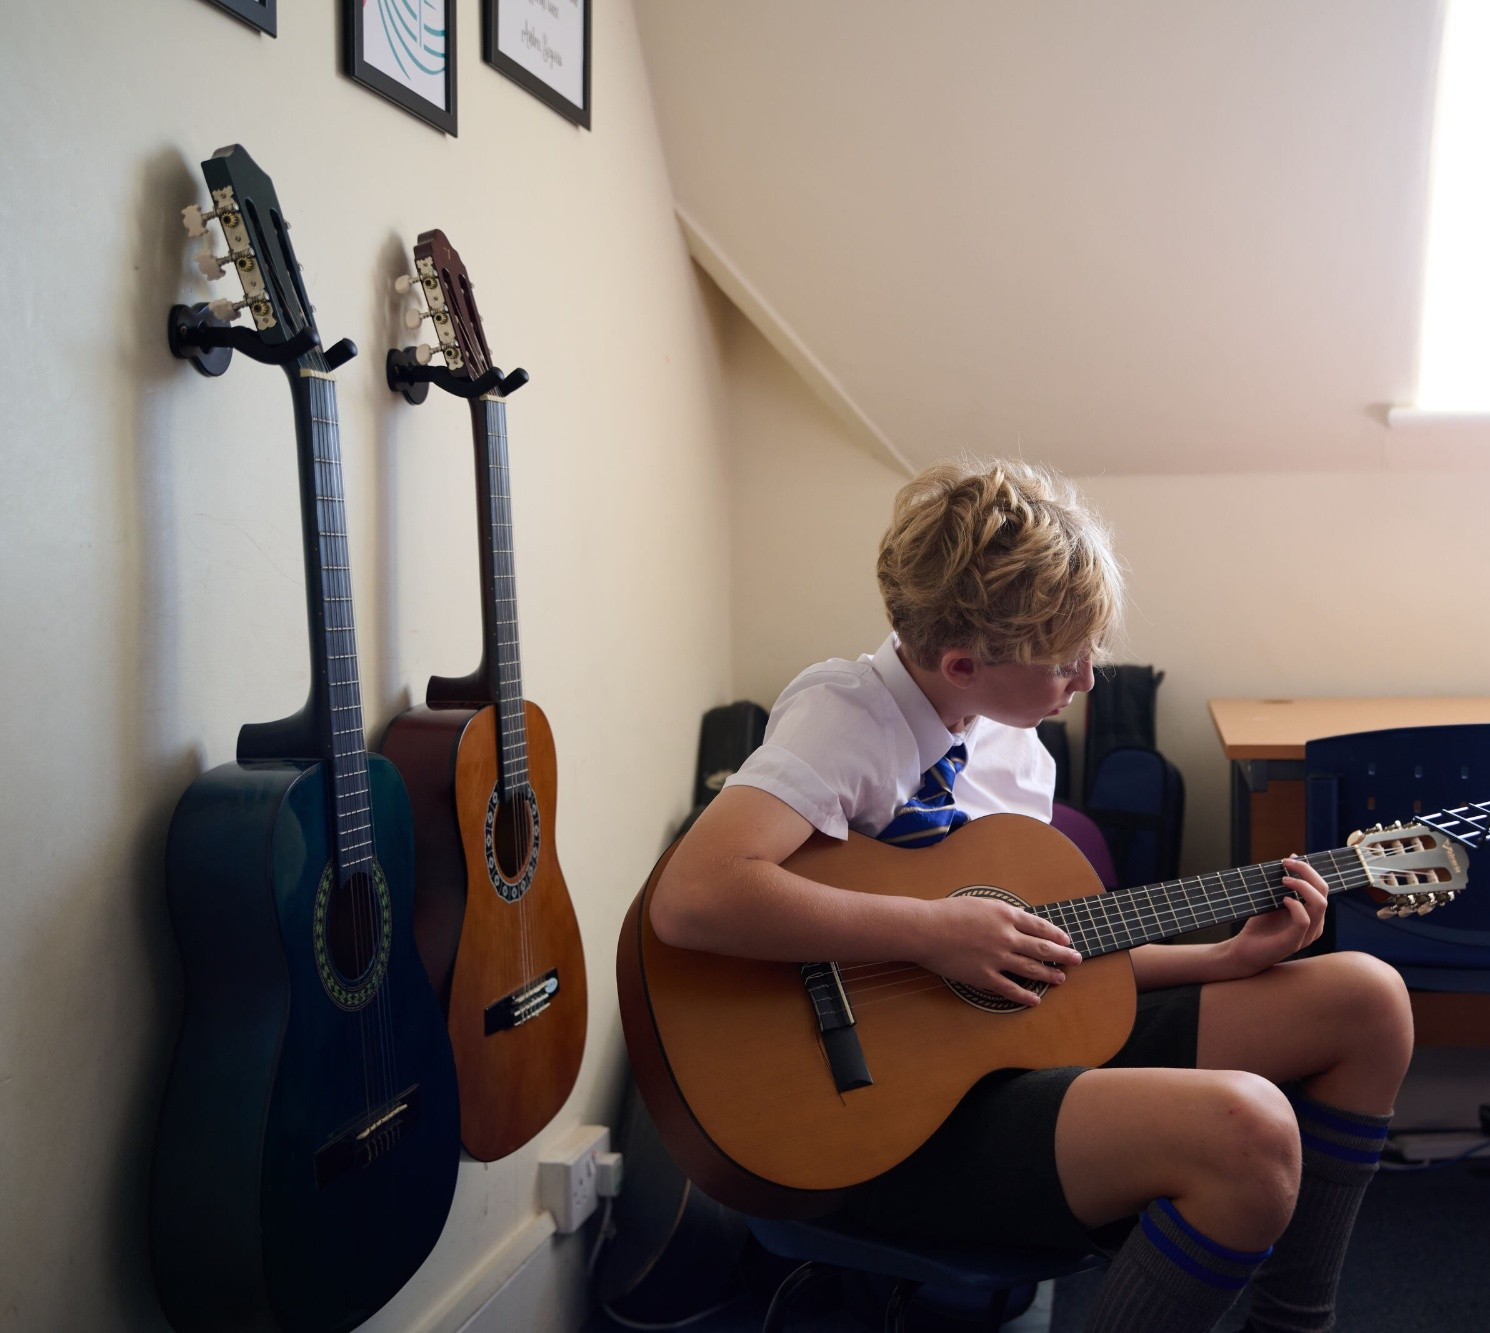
point(1375, 997)
point(1249, 1149)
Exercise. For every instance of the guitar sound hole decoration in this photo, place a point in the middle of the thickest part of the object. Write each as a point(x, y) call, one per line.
point(353, 929)
point(512, 841)
point(986, 999)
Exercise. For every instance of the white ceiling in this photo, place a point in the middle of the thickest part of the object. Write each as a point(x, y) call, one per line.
point(1145, 236)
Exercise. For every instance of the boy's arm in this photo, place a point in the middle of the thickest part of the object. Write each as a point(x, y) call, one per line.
point(725, 891)
point(1261, 942)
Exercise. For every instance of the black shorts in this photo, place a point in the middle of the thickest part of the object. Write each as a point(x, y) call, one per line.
point(988, 1174)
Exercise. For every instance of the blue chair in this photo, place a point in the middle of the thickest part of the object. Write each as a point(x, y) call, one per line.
point(1373, 777)
point(1001, 1282)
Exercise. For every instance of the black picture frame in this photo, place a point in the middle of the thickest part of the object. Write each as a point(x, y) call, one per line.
point(258, 14)
point(360, 39)
point(506, 63)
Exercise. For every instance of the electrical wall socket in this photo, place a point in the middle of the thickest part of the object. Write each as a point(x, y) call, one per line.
point(568, 1175)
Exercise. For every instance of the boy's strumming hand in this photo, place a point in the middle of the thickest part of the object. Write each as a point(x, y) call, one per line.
point(990, 944)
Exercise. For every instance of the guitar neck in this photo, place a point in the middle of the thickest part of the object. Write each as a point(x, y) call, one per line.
point(501, 660)
point(1125, 918)
point(334, 714)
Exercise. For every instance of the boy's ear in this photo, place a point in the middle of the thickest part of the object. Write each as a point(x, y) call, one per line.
point(958, 666)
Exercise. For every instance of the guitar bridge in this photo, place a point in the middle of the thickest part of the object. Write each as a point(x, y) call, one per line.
point(835, 1025)
point(525, 1003)
point(368, 1139)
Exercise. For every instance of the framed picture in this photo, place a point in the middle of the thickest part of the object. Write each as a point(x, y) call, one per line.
point(256, 13)
point(404, 50)
point(545, 46)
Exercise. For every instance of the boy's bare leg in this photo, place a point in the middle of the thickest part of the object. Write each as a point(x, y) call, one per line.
point(1222, 1145)
point(1341, 1025)
point(1210, 1161)
point(1340, 1022)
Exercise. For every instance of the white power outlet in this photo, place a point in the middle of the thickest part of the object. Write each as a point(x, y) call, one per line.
point(568, 1175)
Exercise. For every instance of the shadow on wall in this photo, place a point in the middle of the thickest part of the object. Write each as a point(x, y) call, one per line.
point(147, 677)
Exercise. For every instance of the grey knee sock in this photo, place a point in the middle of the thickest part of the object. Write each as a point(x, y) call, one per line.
point(1169, 1278)
point(1295, 1290)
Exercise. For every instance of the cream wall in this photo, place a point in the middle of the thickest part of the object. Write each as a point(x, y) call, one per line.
point(1367, 582)
point(152, 588)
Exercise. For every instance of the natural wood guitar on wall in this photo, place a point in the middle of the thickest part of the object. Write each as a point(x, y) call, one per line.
point(492, 915)
point(777, 1086)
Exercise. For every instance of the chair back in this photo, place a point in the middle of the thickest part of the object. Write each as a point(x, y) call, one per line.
point(1378, 777)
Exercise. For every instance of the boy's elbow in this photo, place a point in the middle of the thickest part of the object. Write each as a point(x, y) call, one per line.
point(672, 922)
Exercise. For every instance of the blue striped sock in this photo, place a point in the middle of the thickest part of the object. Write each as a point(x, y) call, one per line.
point(1170, 1278)
point(1295, 1290)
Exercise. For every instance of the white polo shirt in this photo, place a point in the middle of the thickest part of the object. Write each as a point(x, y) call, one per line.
point(848, 742)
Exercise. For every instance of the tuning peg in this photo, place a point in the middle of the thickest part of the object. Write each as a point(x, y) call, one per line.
point(225, 309)
point(195, 221)
point(403, 284)
point(413, 318)
point(423, 353)
point(212, 266)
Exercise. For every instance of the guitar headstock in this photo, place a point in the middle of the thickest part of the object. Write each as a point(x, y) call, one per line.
point(440, 278)
point(451, 306)
point(1415, 866)
point(247, 211)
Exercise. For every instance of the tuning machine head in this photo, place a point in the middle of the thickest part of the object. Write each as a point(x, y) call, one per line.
point(195, 221)
point(211, 266)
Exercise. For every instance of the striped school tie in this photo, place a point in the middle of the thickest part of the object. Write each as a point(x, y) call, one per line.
point(930, 814)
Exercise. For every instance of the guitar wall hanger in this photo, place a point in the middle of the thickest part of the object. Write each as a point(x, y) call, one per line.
point(410, 374)
point(196, 333)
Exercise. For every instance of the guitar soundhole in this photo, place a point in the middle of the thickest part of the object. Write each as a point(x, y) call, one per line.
point(512, 835)
point(987, 999)
point(352, 926)
point(352, 930)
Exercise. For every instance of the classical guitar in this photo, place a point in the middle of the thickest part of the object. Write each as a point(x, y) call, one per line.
point(308, 1142)
point(493, 918)
point(777, 1086)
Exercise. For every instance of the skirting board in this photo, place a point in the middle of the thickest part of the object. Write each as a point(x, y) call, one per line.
point(486, 1278)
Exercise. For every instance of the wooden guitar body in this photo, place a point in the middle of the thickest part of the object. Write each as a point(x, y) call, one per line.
point(299, 1138)
point(496, 926)
point(729, 1059)
point(516, 923)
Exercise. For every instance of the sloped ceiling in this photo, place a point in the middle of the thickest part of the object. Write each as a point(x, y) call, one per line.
point(1144, 236)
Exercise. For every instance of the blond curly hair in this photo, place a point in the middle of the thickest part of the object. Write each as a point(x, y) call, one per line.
point(1001, 558)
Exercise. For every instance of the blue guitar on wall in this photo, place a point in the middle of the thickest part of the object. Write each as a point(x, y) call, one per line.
point(308, 1142)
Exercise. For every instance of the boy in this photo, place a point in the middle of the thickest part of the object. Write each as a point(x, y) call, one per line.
point(1000, 587)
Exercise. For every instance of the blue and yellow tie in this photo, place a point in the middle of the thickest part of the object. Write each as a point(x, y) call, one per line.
point(930, 814)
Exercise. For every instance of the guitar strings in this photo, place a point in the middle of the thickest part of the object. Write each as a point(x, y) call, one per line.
point(509, 709)
point(913, 979)
point(354, 860)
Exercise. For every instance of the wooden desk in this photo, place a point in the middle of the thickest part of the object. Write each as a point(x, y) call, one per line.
point(1265, 739)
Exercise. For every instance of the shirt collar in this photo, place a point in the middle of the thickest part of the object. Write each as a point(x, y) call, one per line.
point(932, 738)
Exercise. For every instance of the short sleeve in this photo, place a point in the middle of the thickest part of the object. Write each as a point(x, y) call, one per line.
point(825, 751)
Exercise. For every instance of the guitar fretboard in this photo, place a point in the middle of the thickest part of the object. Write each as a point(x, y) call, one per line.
point(333, 632)
point(1125, 918)
point(499, 605)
